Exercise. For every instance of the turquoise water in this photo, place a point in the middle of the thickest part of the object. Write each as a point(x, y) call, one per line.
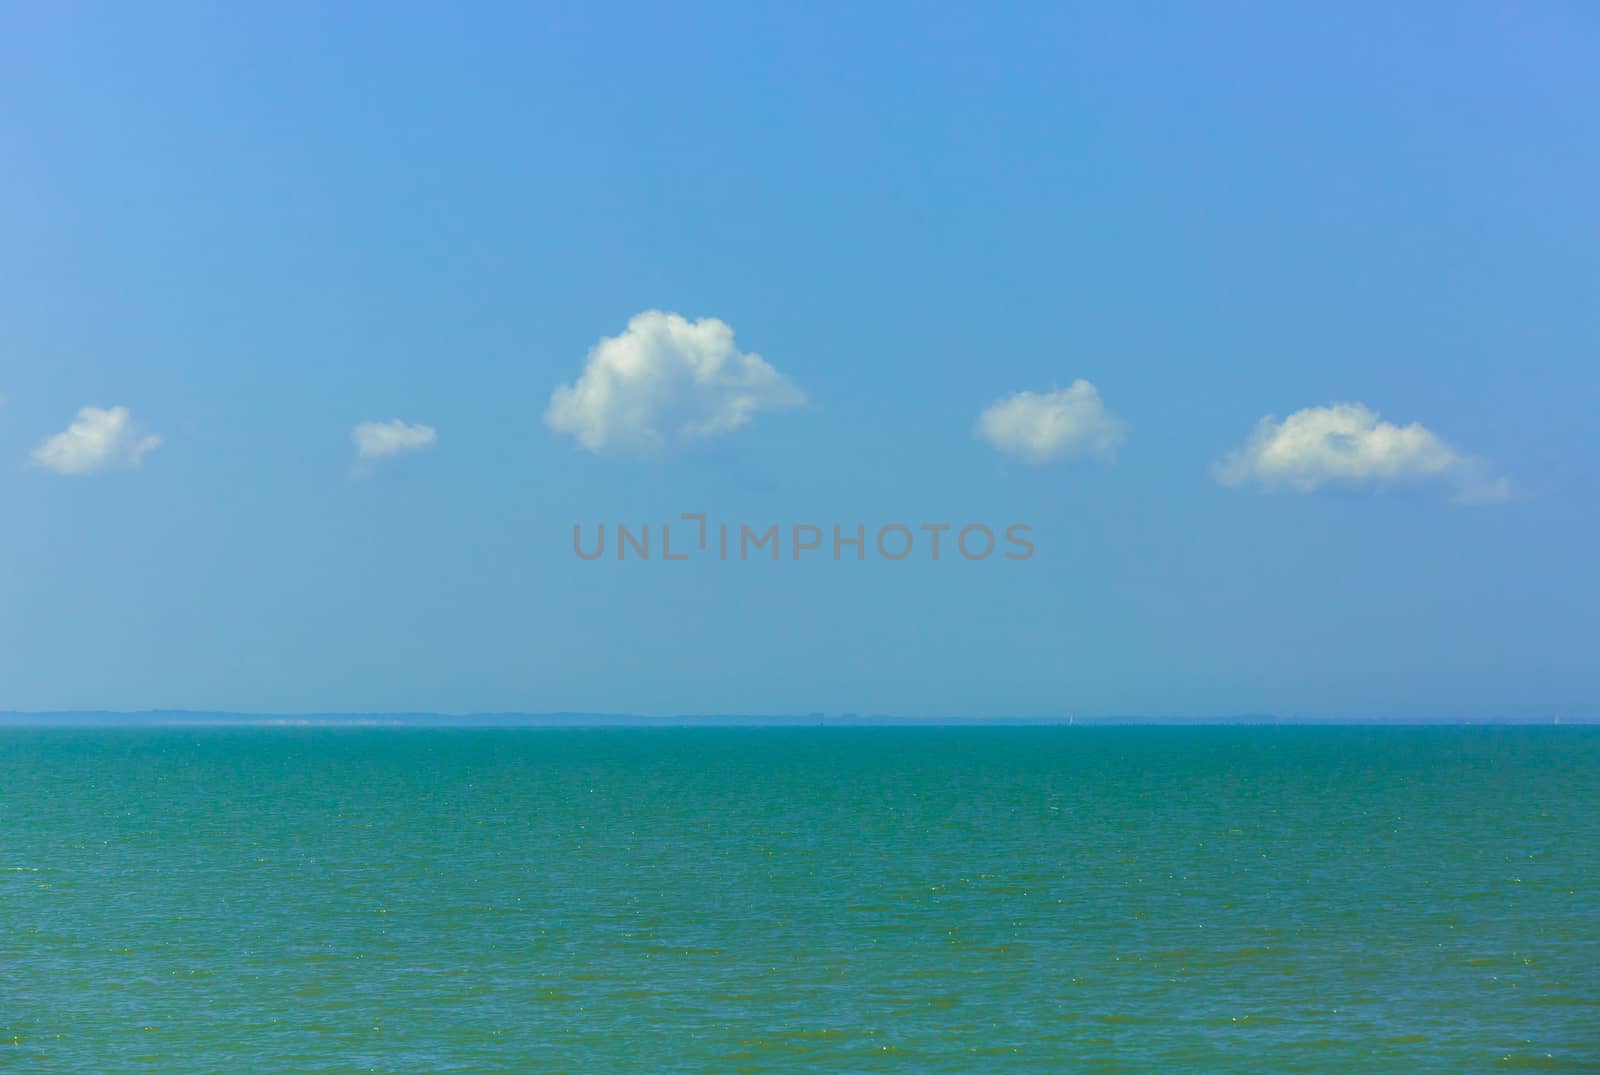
point(921, 900)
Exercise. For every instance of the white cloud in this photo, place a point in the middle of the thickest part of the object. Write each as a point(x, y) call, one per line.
point(1040, 427)
point(377, 441)
point(98, 440)
point(1347, 446)
point(664, 381)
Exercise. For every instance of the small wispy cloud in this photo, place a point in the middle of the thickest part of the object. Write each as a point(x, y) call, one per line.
point(1347, 446)
point(98, 440)
point(378, 441)
point(1042, 427)
point(664, 381)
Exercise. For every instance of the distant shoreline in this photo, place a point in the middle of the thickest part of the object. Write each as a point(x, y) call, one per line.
point(578, 721)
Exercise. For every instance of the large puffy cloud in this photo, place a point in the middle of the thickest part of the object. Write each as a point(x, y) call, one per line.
point(1347, 446)
point(377, 441)
point(1039, 427)
point(663, 381)
point(99, 439)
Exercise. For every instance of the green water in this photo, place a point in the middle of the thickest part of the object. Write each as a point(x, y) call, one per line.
point(921, 900)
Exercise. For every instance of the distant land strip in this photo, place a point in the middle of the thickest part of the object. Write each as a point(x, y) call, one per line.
point(205, 718)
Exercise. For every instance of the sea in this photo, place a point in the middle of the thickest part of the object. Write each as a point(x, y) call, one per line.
point(913, 899)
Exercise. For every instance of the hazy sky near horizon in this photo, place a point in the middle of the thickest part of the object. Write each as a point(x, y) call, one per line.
point(321, 326)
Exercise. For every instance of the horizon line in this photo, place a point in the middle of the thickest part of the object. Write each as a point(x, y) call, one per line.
point(562, 719)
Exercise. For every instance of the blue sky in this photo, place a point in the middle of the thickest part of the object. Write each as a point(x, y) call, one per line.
point(255, 230)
